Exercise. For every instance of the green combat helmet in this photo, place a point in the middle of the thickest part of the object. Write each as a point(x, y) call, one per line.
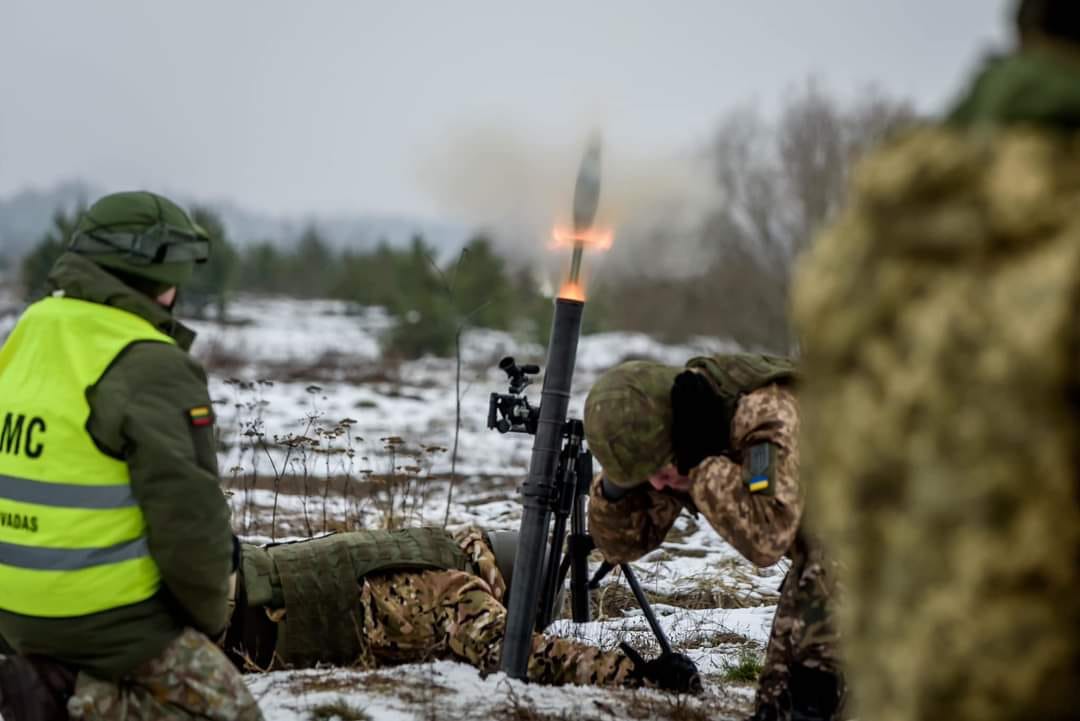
point(628, 420)
point(143, 235)
point(504, 546)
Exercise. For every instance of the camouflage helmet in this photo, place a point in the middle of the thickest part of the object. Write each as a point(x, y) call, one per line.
point(628, 421)
point(504, 546)
point(143, 235)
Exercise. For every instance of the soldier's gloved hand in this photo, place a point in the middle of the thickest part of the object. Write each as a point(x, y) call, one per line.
point(669, 671)
point(701, 421)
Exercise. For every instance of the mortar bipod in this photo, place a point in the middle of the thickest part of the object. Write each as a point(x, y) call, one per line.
point(574, 476)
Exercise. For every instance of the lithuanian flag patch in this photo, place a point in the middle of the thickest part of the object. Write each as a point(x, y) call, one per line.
point(201, 415)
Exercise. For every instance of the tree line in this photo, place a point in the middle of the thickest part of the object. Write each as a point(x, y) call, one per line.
point(431, 302)
point(775, 182)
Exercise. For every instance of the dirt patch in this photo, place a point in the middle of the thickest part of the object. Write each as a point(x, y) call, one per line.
point(712, 639)
point(310, 683)
point(682, 531)
point(417, 691)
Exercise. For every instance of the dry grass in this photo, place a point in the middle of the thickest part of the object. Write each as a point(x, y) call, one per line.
point(515, 708)
point(711, 638)
point(613, 599)
point(339, 710)
point(408, 689)
point(218, 358)
point(674, 707)
point(310, 683)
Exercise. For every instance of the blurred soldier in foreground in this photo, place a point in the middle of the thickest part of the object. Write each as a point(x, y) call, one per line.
point(941, 320)
point(115, 546)
point(719, 436)
point(376, 598)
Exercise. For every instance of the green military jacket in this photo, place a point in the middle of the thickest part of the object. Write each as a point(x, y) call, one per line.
point(139, 411)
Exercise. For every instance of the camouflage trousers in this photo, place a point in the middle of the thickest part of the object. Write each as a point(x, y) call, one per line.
point(411, 616)
point(802, 670)
point(190, 679)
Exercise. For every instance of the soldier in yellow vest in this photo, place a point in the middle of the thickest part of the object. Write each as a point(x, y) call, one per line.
point(941, 322)
point(115, 544)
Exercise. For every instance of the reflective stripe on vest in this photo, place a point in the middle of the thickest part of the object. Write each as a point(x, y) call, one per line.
point(72, 538)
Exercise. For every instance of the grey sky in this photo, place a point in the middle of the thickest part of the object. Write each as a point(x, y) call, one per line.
point(339, 106)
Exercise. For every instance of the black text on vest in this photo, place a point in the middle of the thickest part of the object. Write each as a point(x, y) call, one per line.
point(19, 521)
point(17, 435)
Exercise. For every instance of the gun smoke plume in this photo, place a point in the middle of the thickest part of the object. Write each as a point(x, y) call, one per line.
point(498, 179)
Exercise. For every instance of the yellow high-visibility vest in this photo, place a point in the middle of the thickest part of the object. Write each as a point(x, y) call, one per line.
point(72, 538)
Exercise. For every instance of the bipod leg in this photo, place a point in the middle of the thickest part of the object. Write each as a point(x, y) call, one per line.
point(646, 608)
point(601, 573)
point(580, 542)
point(549, 588)
point(578, 548)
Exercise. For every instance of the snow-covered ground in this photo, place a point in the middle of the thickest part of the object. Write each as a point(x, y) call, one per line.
point(318, 432)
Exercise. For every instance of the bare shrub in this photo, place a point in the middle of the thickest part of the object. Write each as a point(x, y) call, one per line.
point(775, 183)
point(402, 488)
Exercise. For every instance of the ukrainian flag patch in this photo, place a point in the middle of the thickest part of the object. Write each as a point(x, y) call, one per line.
point(201, 416)
point(758, 483)
point(760, 468)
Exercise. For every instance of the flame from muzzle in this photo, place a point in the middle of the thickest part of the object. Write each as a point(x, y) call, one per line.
point(591, 239)
point(572, 291)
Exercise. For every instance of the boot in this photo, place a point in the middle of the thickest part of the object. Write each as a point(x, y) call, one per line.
point(34, 689)
point(816, 695)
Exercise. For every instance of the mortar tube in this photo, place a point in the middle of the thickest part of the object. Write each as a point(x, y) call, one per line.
point(537, 492)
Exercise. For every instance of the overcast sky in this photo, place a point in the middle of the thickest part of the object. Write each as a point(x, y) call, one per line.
point(339, 105)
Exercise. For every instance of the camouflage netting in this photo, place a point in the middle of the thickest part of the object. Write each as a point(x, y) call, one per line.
point(940, 424)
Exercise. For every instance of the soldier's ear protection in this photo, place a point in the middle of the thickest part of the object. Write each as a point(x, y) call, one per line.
point(701, 420)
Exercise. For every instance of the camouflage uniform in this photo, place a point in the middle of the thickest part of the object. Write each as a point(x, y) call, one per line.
point(191, 679)
point(763, 528)
point(940, 317)
point(417, 615)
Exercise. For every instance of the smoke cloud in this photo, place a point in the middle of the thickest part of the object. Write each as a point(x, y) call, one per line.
point(500, 180)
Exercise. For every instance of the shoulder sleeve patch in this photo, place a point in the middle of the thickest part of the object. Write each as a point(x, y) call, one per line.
point(200, 415)
point(760, 468)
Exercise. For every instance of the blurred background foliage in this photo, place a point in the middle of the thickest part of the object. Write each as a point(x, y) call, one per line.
point(774, 182)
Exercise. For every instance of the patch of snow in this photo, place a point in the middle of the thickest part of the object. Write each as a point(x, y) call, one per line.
point(270, 329)
point(449, 690)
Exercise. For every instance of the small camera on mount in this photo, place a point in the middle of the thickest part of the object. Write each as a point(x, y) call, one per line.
point(511, 412)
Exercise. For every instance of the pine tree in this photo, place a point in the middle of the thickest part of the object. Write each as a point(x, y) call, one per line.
point(212, 282)
point(36, 265)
